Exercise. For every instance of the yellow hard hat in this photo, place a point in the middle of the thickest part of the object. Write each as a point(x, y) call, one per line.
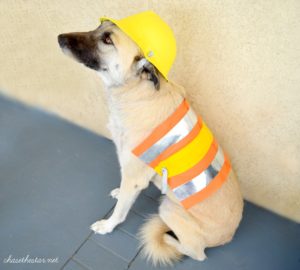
point(154, 37)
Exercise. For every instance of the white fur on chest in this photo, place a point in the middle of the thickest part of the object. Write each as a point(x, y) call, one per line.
point(116, 127)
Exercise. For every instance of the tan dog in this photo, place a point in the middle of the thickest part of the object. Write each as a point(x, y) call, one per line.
point(139, 99)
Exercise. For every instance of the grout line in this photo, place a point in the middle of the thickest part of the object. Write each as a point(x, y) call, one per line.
point(72, 256)
point(145, 217)
point(155, 200)
point(109, 250)
point(128, 233)
point(133, 259)
point(81, 264)
point(84, 241)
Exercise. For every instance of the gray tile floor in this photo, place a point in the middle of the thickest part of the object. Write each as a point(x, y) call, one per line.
point(54, 182)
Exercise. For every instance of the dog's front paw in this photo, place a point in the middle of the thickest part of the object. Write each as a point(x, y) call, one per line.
point(115, 193)
point(102, 227)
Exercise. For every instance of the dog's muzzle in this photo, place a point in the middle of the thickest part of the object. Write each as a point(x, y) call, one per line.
point(82, 46)
point(62, 40)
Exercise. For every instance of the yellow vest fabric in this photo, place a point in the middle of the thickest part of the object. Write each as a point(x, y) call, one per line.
point(184, 146)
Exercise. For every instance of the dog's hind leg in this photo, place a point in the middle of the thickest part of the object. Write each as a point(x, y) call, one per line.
point(135, 177)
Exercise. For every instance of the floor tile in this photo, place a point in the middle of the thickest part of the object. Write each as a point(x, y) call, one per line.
point(144, 206)
point(54, 182)
point(132, 224)
point(153, 192)
point(118, 242)
point(73, 265)
point(95, 257)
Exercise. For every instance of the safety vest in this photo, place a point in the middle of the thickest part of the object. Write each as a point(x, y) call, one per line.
point(184, 151)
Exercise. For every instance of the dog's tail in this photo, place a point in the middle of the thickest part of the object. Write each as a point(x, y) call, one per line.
point(153, 235)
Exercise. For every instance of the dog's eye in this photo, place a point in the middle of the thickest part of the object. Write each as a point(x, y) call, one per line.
point(107, 39)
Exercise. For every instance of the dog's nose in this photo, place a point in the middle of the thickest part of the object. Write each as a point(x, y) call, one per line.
point(62, 40)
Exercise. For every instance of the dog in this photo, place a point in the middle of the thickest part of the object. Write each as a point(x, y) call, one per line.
point(138, 98)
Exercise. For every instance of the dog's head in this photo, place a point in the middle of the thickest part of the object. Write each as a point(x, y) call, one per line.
point(115, 57)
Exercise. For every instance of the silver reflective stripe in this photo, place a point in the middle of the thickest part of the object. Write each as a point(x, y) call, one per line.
point(202, 180)
point(177, 133)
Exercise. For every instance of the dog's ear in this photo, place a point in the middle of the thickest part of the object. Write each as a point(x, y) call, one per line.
point(144, 67)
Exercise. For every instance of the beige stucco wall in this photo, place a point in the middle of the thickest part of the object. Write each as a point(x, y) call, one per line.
point(239, 61)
